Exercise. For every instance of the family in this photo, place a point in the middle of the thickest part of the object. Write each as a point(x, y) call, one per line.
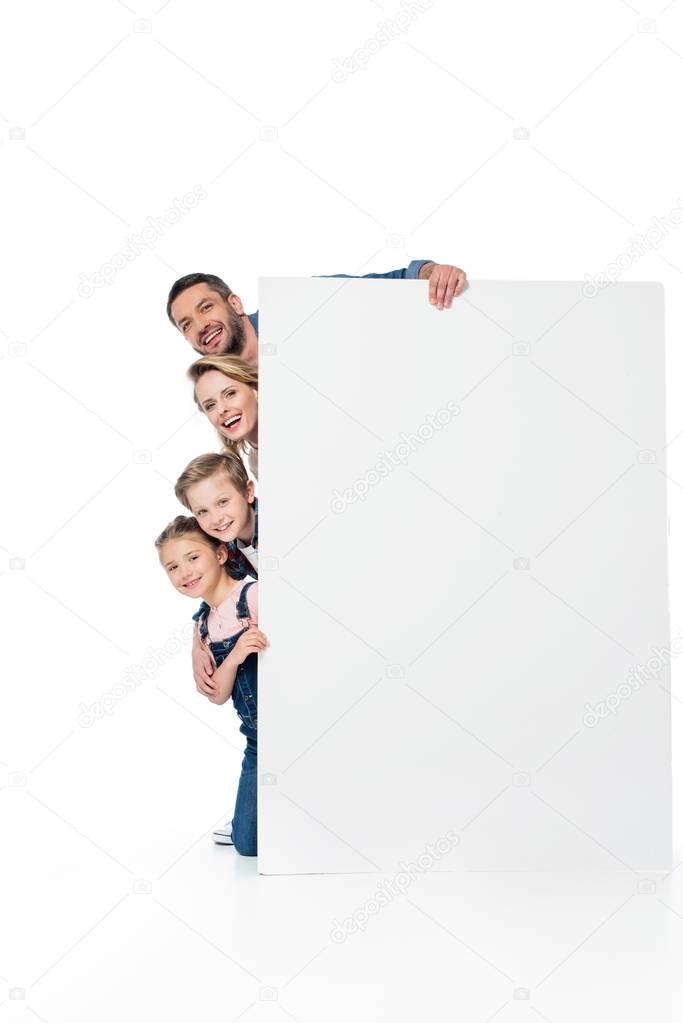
point(211, 554)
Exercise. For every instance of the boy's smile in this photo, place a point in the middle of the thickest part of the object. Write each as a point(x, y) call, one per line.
point(221, 510)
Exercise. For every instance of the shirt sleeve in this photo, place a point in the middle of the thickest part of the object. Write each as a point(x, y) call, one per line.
point(252, 602)
point(409, 272)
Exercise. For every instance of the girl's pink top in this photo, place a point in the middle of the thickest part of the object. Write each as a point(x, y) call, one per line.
point(222, 621)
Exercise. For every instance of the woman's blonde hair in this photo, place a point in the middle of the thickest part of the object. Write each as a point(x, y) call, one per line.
point(233, 367)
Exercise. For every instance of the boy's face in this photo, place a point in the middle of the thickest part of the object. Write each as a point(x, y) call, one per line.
point(193, 565)
point(221, 509)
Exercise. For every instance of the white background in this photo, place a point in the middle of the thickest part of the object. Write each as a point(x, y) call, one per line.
point(413, 157)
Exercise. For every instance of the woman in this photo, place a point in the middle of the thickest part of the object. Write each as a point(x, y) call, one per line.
point(226, 391)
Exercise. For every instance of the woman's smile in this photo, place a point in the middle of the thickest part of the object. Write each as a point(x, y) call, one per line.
point(232, 422)
point(231, 406)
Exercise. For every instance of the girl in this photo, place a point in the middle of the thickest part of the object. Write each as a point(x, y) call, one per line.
point(226, 391)
point(228, 624)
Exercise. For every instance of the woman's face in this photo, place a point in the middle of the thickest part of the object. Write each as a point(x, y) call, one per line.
point(231, 406)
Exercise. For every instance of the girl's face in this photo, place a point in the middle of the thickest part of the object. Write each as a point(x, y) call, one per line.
point(193, 566)
point(231, 406)
point(220, 509)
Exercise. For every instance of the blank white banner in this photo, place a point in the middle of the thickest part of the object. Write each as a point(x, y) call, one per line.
point(463, 536)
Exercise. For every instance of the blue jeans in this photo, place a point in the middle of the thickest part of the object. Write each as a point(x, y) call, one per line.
point(244, 816)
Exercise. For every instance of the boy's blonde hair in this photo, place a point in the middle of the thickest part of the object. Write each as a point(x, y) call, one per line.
point(182, 526)
point(232, 367)
point(205, 466)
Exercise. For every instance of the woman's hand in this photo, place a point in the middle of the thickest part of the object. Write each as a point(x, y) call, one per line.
point(202, 667)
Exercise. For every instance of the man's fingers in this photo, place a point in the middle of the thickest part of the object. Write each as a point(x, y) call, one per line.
point(433, 281)
point(450, 286)
point(445, 283)
point(441, 287)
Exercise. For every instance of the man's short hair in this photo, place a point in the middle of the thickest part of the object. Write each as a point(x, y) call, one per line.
point(189, 281)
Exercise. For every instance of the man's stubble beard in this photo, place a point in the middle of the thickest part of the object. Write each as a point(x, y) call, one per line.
point(237, 340)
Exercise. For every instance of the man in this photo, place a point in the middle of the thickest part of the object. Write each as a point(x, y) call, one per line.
point(212, 318)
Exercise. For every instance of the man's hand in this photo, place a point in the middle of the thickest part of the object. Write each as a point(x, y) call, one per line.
point(202, 667)
point(445, 282)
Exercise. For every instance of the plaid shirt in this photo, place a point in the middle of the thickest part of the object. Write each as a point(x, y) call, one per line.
point(238, 566)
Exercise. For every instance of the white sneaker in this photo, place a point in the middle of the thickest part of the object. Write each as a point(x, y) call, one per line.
point(223, 836)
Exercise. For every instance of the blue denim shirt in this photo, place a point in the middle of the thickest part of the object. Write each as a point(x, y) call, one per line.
point(406, 273)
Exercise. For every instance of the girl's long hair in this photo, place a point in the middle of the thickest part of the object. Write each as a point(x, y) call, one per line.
point(235, 368)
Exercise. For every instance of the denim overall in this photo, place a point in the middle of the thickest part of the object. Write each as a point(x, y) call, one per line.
point(244, 697)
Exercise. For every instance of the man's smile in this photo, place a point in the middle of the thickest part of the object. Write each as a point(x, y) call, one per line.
point(211, 334)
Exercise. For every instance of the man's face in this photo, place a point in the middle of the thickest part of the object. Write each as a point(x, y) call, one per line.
point(220, 509)
point(213, 325)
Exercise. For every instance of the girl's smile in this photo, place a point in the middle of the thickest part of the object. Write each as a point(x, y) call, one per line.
point(196, 568)
point(192, 582)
